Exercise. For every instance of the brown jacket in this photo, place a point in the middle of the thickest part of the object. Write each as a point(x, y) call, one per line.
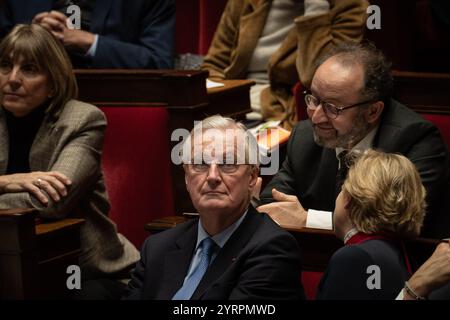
point(71, 143)
point(238, 32)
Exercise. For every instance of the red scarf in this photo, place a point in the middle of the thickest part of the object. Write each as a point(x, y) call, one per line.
point(361, 237)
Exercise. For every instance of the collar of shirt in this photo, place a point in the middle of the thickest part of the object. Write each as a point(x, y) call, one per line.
point(222, 237)
point(361, 146)
point(350, 234)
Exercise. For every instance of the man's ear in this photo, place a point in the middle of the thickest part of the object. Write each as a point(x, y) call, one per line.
point(253, 176)
point(185, 176)
point(374, 112)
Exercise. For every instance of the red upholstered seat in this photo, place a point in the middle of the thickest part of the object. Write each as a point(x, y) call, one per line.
point(310, 281)
point(441, 121)
point(136, 164)
point(196, 23)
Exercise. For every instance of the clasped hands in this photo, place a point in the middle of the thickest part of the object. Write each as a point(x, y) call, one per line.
point(58, 24)
point(53, 183)
point(287, 211)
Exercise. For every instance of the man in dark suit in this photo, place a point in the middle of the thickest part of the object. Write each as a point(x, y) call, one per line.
point(113, 34)
point(350, 110)
point(231, 251)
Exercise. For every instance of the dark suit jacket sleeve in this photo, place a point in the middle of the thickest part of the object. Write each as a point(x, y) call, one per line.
point(430, 156)
point(268, 269)
point(5, 22)
point(284, 180)
point(136, 285)
point(346, 276)
point(154, 48)
point(79, 160)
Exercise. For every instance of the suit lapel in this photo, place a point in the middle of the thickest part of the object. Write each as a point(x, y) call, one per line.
point(100, 12)
point(43, 148)
point(324, 183)
point(177, 262)
point(4, 143)
point(385, 137)
point(228, 254)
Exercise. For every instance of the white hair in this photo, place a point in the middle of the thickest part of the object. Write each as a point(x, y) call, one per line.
point(217, 122)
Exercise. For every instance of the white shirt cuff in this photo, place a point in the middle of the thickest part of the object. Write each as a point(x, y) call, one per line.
point(93, 48)
point(400, 295)
point(319, 219)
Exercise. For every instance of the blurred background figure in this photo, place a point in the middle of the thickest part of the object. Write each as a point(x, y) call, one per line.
point(113, 34)
point(276, 43)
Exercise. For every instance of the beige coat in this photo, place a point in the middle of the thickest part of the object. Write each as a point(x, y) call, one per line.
point(72, 144)
point(238, 32)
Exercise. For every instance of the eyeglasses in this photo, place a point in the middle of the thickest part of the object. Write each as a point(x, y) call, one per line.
point(223, 167)
point(331, 111)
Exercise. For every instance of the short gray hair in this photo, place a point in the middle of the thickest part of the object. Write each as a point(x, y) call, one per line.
point(219, 122)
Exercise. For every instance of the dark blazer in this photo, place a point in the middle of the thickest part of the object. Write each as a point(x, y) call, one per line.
point(346, 276)
point(132, 34)
point(442, 293)
point(309, 170)
point(259, 261)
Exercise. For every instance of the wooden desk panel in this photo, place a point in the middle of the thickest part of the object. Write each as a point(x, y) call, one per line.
point(423, 92)
point(176, 88)
point(34, 258)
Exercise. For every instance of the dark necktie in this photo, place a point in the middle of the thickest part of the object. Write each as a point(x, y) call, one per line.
point(342, 171)
point(207, 249)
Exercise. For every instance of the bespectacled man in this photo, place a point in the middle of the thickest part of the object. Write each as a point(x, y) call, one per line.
point(350, 110)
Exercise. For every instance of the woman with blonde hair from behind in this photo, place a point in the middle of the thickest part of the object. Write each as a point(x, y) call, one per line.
point(382, 203)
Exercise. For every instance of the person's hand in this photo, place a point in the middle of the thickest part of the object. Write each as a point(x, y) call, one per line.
point(53, 183)
point(434, 273)
point(53, 21)
point(76, 40)
point(58, 24)
point(287, 211)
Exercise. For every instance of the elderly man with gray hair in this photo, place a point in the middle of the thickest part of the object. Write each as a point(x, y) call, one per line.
point(231, 251)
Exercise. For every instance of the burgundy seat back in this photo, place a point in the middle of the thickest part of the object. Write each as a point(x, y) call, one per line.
point(196, 23)
point(136, 164)
point(441, 121)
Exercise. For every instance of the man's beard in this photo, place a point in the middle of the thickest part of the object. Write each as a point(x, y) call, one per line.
point(359, 130)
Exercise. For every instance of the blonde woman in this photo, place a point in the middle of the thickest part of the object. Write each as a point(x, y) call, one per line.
point(382, 202)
